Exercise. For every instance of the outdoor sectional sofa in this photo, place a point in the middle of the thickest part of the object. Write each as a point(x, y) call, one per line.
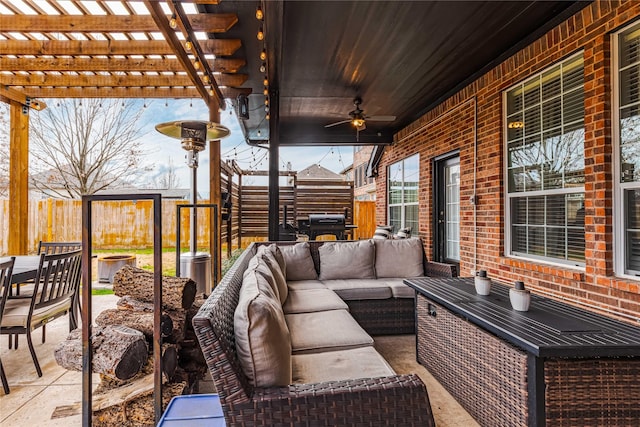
point(286, 334)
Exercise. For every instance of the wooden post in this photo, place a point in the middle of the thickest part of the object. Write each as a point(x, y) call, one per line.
point(215, 240)
point(50, 219)
point(18, 238)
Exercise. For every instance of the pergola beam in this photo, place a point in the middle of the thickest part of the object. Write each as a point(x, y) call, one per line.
point(218, 47)
point(18, 238)
point(7, 95)
point(222, 65)
point(206, 22)
point(124, 92)
point(92, 80)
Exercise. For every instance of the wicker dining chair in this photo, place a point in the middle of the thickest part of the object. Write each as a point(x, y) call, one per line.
point(6, 269)
point(55, 287)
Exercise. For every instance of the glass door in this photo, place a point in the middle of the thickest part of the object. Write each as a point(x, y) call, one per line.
point(447, 210)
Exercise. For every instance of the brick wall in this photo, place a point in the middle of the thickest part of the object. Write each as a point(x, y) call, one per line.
point(476, 113)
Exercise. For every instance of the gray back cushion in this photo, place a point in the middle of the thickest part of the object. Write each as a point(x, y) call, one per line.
point(399, 258)
point(347, 260)
point(298, 262)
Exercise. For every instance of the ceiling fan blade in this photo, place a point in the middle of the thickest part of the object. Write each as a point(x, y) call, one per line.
point(337, 123)
point(381, 118)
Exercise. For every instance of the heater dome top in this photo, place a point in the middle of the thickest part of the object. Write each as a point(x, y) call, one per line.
point(193, 130)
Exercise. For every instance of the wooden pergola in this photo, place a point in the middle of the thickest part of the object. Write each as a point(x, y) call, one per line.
point(107, 49)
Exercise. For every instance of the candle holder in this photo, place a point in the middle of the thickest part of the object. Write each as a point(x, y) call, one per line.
point(520, 297)
point(482, 283)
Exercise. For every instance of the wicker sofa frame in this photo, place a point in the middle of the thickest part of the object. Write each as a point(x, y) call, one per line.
point(384, 401)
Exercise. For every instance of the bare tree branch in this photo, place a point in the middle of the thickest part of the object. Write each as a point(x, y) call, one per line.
point(84, 146)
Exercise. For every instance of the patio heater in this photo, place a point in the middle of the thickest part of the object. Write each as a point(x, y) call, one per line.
point(193, 137)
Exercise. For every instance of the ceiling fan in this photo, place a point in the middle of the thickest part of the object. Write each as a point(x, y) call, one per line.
point(358, 119)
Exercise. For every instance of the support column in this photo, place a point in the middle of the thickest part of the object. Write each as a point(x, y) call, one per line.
point(18, 237)
point(274, 171)
point(215, 240)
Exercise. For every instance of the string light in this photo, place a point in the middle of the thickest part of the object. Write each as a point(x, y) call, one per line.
point(260, 34)
point(173, 23)
point(259, 14)
point(265, 81)
point(265, 91)
point(263, 55)
point(267, 116)
point(206, 78)
point(266, 101)
point(188, 45)
point(263, 68)
point(196, 64)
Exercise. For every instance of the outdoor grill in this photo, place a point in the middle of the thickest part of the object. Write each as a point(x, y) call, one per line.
point(326, 224)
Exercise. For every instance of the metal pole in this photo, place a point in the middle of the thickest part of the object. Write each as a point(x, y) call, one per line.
point(193, 164)
point(87, 409)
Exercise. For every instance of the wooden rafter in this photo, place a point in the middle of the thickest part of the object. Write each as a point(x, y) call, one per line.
point(111, 64)
point(218, 47)
point(127, 92)
point(128, 80)
point(207, 22)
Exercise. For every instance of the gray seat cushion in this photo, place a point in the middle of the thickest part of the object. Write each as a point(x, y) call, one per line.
point(399, 289)
point(363, 362)
point(354, 289)
point(325, 331)
point(312, 300)
point(298, 285)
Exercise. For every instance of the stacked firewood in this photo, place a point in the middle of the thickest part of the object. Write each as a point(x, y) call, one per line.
point(122, 341)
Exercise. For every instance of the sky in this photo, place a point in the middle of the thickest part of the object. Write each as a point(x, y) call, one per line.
point(160, 149)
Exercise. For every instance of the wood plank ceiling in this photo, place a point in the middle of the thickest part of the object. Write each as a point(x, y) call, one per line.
point(119, 49)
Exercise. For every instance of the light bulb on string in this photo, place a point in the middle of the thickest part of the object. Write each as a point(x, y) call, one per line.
point(259, 14)
point(267, 116)
point(266, 101)
point(173, 22)
point(188, 45)
point(263, 67)
point(263, 55)
point(260, 35)
point(206, 78)
point(196, 64)
point(265, 91)
point(265, 81)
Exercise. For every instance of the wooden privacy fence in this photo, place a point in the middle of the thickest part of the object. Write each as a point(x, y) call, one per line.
point(129, 224)
point(116, 224)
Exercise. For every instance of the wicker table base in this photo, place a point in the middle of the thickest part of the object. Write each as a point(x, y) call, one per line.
point(502, 385)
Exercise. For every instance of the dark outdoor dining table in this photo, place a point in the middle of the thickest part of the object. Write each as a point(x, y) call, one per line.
point(25, 268)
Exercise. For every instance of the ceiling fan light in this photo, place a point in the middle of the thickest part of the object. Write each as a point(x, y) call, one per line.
point(357, 122)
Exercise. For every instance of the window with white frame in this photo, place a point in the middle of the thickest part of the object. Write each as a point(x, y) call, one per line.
point(403, 179)
point(627, 139)
point(545, 165)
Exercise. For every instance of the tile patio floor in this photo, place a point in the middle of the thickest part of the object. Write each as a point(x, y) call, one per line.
point(32, 400)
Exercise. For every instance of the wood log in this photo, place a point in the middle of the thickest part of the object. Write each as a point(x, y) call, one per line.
point(177, 292)
point(128, 406)
point(178, 317)
point(169, 367)
point(140, 320)
point(118, 351)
